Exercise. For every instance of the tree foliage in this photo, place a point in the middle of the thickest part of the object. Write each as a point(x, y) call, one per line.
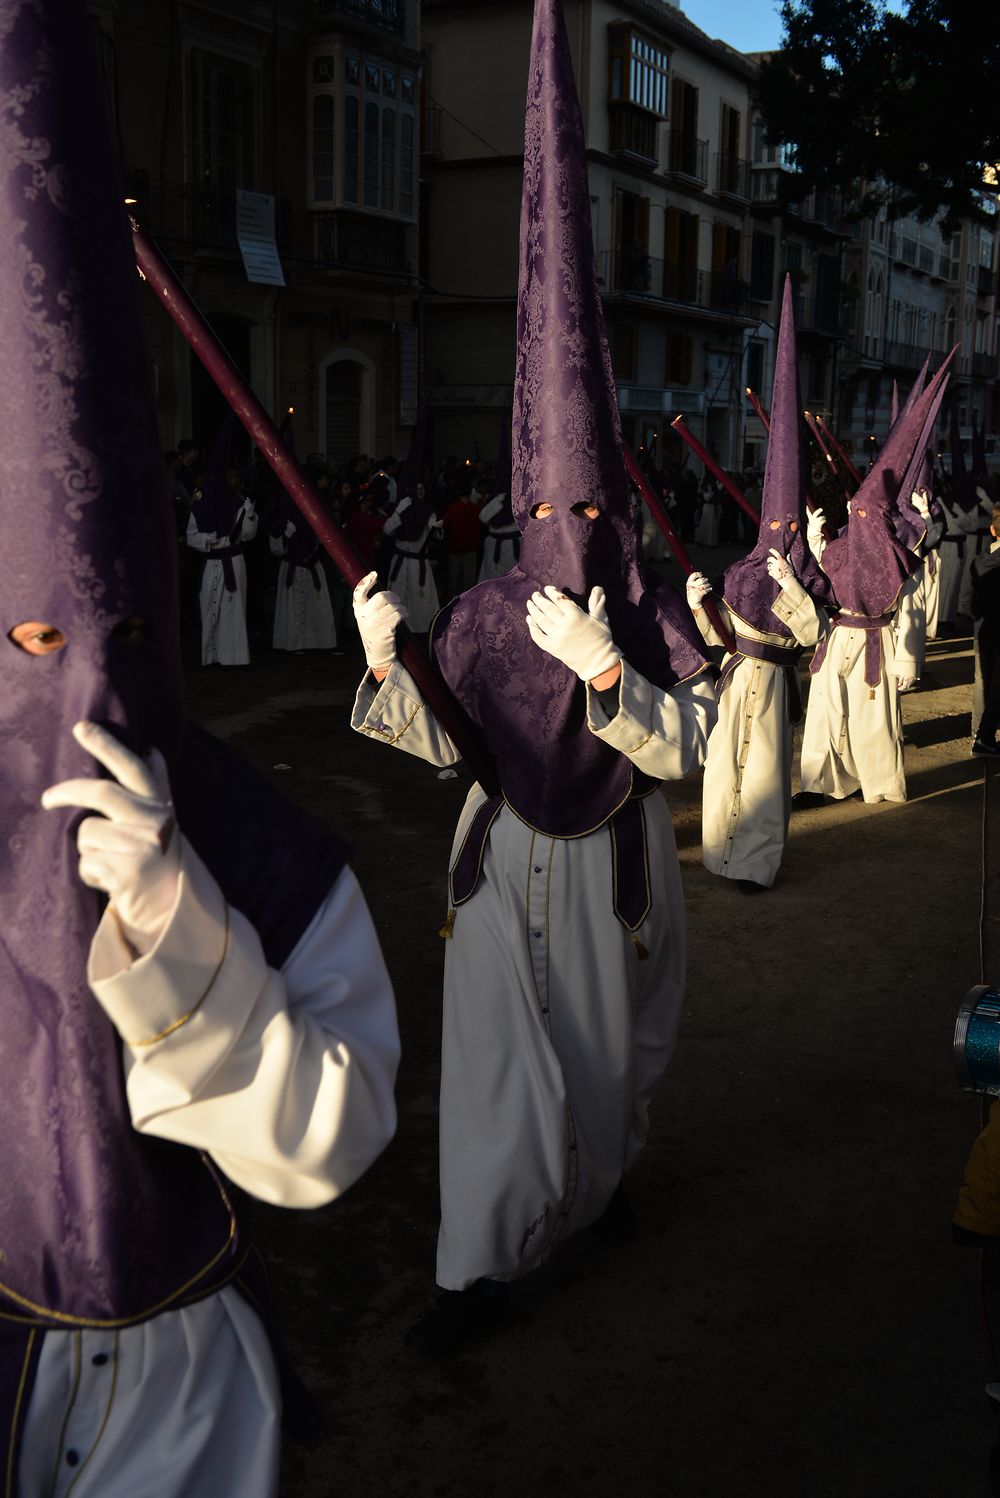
point(901, 106)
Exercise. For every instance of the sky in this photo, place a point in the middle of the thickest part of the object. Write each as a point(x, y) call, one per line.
point(747, 25)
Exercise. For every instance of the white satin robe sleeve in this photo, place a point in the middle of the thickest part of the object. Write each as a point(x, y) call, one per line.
point(394, 711)
point(664, 733)
point(284, 1078)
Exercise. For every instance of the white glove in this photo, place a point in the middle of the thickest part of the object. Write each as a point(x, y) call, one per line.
point(814, 533)
point(696, 588)
point(377, 617)
point(906, 683)
point(780, 568)
point(918, 499)
point(289, 530)
point(404, 504)
point(132, 849)
point(582, 641)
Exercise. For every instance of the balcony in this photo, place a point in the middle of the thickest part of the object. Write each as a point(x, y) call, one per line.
point(202, 216)
point(905, 355)
point(389, 14)
point(634, 272)
point(687, 157)
point(732, 176)
point(634, 132)
point(360, 241)
point(986, 366)
point(816, 314)
point(986, 284)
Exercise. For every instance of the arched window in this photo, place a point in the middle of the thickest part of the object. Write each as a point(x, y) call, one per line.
point(347, 425)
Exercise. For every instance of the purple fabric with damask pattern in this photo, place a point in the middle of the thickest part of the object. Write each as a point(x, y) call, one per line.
point(747, 588)
point(96, 1221)
point(220, 503)
point(566, 451)
point(907, 522)
point(867, 563)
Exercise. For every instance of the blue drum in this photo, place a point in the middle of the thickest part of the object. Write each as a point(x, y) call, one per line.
point(977, 1041)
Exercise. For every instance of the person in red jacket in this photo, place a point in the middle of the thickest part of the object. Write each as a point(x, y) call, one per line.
point(464, 536)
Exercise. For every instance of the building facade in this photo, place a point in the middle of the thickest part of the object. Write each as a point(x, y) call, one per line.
point(233, 115)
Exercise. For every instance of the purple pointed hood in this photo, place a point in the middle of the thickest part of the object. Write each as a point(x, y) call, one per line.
point(566, 452)
point(221, 503)
point(748, 590)
point(87, 1206)
point(867, 563)
point(907, 522)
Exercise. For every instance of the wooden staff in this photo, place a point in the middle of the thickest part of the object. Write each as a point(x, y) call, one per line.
point(838, 449)
point(714, 468)
point(241, 399)
point(759, 411)
point(659, 514)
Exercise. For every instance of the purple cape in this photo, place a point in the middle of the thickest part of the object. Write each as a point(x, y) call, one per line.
point(748, 590)
point(98, 1223)
point(566, 451)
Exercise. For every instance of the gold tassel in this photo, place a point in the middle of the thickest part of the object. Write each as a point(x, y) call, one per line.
point(448, 926)
point(641, 952)
point(871, 694)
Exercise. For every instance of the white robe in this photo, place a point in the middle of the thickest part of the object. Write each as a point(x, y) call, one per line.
point(747, 791)
point(286, 1079)
point(303, 613)
point(492, 565)
point(853, 736)
point(931, 574)
point(223, 614)
point(910, 624)
point(555, 1029)
point(419, 597)
point(950, 560)
point(707, 531)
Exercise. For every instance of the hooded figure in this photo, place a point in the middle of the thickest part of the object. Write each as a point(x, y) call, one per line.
point(771, 600)
point(222, 521)
point(108, 1215)
point(853, 733)
point(976, 504)
point(303, 613)
point(564, 965)
point(414, 530)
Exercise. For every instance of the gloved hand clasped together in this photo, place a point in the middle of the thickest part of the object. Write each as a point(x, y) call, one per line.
point(582, 641)
point(131, 849)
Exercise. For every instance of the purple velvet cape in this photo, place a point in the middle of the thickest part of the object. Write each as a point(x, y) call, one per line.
point(747, 589)
point(566, 451)
point(98, 1223)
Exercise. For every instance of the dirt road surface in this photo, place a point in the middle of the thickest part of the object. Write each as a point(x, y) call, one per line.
point(793, 1319)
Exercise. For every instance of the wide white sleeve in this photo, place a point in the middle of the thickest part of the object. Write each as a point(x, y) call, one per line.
point(664, 733)
point(249, 527)
point(199, 540)
point(278, 545)
point(393, 523)
point(491, 508)
point(909, 629)
point(285, 1078)
point(394, 712)
point(794, 607)
point(706, 628)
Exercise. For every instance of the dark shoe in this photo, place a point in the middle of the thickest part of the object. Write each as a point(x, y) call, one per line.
point(616, 1223)
point(751, 887)
point(460, 1317)
point(985, 751)
point(803, 800)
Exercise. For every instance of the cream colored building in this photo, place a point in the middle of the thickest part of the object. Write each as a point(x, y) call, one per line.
point(667, 115)
point(311, 103)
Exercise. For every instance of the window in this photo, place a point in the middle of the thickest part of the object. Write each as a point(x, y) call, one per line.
point(364, 138)
point(680, 358)
point(224, 133)
point(639, 71)
point(680, 261)
point(633, 270)
point(624, 351)
point(874, 313)
point(761, 266)
point(726, 286)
